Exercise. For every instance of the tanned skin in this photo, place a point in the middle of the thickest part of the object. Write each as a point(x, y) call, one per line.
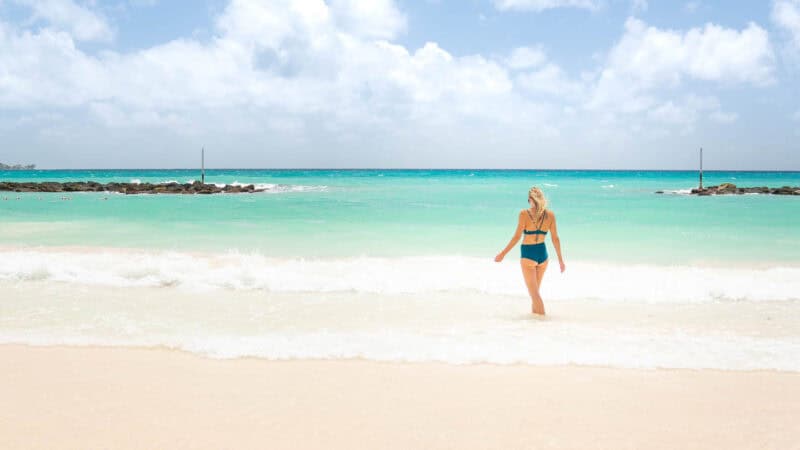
point(532, 271)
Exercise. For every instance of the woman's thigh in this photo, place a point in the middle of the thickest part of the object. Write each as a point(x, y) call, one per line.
point(540, 269)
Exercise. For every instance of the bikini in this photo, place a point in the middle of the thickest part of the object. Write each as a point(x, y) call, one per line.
point(535, 252)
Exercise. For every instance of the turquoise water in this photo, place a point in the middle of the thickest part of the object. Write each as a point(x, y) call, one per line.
point(602, 215)
point(398, 266)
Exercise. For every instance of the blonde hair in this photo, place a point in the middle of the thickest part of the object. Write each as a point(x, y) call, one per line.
point(536, 196)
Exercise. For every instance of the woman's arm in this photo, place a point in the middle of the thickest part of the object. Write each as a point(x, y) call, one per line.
point(514, 239)
point(556, 242)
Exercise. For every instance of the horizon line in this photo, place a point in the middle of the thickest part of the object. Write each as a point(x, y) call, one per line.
point(409, 169)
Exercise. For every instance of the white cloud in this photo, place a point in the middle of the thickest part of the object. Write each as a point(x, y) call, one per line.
point(283, 57)
point(541, 5)
point(647, 58)
point(686, 111)
point(551, 80)
point(710, 53)
point(312, 73)
point(796, 115)
point(372, 19)
point(82, 23)
point(639, 6)
point(143, 3)
point(786, 14)
point(691, 7)
point(526, 57)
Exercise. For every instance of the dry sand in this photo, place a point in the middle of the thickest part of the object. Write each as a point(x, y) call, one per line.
point(86, 398)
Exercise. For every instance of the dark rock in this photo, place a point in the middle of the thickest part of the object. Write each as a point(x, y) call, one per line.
point(125, 188)
point(730, 188)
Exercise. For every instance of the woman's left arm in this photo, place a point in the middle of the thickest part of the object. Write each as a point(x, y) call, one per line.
point(514, 239)
point(557, 242)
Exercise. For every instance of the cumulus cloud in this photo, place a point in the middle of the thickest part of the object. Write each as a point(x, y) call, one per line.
point(685, 112)
point(309, 72)
point(284, 57)
point(371, 19)
point(710, 53)
point(648, 58)
point(526, 57)
point(786, 14)
point(551, 80)
point(82, 23)
point(541, 5)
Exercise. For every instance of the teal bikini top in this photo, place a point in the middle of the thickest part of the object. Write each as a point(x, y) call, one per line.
point(538, 229)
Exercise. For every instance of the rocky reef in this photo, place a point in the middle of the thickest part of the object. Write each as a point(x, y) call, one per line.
point(17, 167)
point(127, 188)
point(730, 188)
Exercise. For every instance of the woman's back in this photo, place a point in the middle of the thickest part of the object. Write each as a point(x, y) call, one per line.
point(536, 230)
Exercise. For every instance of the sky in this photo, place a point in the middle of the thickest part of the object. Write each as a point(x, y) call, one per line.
point(550, 84)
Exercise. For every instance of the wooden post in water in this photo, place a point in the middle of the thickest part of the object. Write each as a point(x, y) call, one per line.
point(701, 167)
point(203, 166)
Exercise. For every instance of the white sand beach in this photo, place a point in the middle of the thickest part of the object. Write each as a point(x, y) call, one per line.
point(92, 398)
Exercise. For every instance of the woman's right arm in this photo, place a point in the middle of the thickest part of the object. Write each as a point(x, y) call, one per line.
point(514, 239)
point(557, 242)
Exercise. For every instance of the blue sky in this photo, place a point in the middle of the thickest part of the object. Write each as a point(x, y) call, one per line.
point(400, 83)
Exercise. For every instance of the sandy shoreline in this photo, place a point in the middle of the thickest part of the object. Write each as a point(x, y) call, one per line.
point(56, 397)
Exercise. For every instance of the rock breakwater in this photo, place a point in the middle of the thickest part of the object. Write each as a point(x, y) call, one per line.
point(730, 188)
point(128, 188)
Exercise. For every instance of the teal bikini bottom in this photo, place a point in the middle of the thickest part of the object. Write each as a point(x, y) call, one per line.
point(535, 252)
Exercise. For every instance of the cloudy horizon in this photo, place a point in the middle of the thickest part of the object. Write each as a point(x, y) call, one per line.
point(548, 84)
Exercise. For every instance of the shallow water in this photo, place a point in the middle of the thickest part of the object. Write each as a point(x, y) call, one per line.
point(397, 265)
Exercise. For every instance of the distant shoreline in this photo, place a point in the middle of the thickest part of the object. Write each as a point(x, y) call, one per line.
point(418, 169)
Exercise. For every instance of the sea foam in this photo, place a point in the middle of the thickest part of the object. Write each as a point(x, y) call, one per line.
point(235, 271)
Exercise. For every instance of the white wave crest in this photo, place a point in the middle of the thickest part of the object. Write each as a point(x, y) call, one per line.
point(402, 275)
point(277, 188)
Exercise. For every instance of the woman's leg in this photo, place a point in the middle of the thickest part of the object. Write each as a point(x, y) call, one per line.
point(530, 273)
point(540, 269)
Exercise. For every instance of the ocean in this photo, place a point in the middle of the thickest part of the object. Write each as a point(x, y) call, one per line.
point(397, 265)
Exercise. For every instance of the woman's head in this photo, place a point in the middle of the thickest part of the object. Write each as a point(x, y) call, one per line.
point(537, 200)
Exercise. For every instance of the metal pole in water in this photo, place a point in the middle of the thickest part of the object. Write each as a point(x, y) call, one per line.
point(701, 167)
point(203, 166)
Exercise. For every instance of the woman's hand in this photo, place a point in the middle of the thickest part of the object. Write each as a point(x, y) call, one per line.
point(563, 266)
point(499, 257)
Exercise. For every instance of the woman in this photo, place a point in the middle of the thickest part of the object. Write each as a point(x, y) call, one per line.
point(535, 223)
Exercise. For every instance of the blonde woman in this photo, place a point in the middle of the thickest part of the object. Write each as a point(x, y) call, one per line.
point(535, 223)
